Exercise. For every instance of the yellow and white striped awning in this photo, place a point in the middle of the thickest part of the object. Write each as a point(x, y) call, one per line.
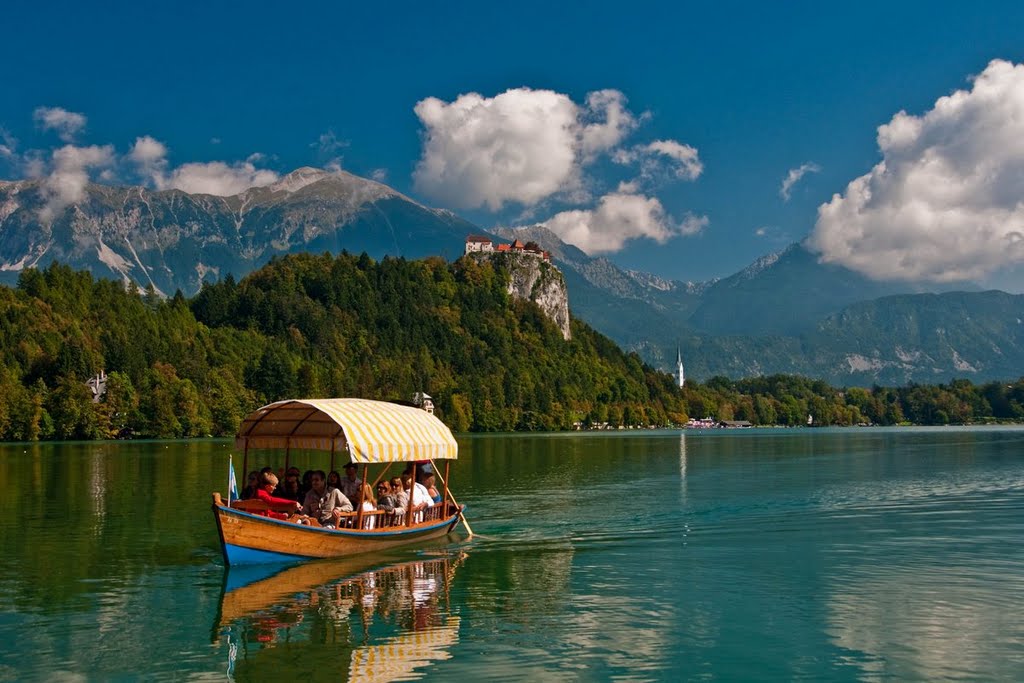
point(368, 431)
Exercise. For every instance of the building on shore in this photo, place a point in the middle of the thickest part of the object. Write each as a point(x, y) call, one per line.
point(98, 385)
point(479, 243)
point(423, 401)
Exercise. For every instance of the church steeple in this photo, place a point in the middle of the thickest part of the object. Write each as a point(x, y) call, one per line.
point(679, 364)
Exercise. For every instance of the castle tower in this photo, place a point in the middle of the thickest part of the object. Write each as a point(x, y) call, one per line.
point(679, 364)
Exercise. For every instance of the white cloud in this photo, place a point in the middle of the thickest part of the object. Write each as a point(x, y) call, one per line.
point(610, 122)
point(519, 146)
point(8, 145)
point(663, 158)
point(66, 123)
point(688, 163)
point(773, 234)
point(619, 217)
point(380, 175)
point(149, 155)
point(67, 171)
point(34, 164)
point(528, 146)
point(217, 178)
point(147, 150)
point(794, 176)
point(328, 147)
point(945, 203)
point(66, 183)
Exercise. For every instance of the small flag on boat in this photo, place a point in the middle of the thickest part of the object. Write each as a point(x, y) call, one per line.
point(232, 482)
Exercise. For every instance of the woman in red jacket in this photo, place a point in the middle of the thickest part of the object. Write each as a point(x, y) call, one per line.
point(268, 482)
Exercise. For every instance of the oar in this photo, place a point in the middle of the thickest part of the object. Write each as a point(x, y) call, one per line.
point(462, 514)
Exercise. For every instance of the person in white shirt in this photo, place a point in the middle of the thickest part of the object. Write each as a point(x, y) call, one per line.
point(420, 498)
point(368, 504)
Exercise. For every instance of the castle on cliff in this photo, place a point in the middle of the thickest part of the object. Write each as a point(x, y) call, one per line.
point(479, 243)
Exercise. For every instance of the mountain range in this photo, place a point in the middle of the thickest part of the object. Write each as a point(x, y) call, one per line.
point(785, 313)
point(173, 240)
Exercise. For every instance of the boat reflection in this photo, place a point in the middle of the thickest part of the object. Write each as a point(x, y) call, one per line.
point(361, 619)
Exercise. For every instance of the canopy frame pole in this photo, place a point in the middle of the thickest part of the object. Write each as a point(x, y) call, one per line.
point(444, 497)
point(295, 429)
point(332, 458)
point(245, 463)
point(380, 476)
point(451, 495)
point(412, 492)
point(362, 483)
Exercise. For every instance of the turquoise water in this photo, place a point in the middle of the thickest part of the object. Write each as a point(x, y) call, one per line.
point(861, 554)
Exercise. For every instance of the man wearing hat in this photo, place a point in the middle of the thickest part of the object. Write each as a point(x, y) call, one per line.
point(350, 483)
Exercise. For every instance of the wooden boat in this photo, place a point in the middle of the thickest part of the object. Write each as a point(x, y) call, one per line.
point(362, 431)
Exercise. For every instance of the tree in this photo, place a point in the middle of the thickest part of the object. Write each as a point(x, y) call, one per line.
point(119, 410)
point(159, 403)
point(74, 414)
point(274, 375)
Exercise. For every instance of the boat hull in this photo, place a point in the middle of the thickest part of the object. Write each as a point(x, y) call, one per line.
point(253, 539)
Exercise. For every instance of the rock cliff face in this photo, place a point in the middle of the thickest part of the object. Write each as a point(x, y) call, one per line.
point(536, 280)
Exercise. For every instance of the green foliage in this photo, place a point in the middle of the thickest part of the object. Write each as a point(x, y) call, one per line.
point(322, 325)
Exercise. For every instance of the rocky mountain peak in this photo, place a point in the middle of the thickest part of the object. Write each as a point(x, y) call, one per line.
point(298, 179)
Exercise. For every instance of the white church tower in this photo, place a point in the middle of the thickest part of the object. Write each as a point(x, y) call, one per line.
point(679, 364)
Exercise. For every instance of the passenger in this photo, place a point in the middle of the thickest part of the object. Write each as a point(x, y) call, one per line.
point(418, 497)
point(291, 489)
point(270, 470)
point(252, 485)
point(306, 486)
point(421, 495)
point(334, 479)
point(368, 504)
point(268, 482)
point(401, 495)
point(325, 503)
point(428, 483)
point(350, 483)
point(385, 500)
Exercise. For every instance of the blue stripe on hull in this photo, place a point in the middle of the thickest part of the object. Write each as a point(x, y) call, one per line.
point(236, 554)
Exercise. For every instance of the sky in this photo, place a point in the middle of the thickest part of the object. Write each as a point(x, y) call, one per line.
point(680, 139)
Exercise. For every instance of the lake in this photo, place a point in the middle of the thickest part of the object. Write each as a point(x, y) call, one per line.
point(858, 554)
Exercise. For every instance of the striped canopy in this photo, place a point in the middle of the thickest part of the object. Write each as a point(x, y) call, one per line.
point(368, 431)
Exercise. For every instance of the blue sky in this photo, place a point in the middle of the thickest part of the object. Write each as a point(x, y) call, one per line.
point(716, 104)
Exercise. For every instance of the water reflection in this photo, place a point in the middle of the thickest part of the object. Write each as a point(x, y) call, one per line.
point(352, 619)
point(682, 466)
point(938, 624)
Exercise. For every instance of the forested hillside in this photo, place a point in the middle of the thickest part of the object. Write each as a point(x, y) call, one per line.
point(306, 326)
point(315, 326)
